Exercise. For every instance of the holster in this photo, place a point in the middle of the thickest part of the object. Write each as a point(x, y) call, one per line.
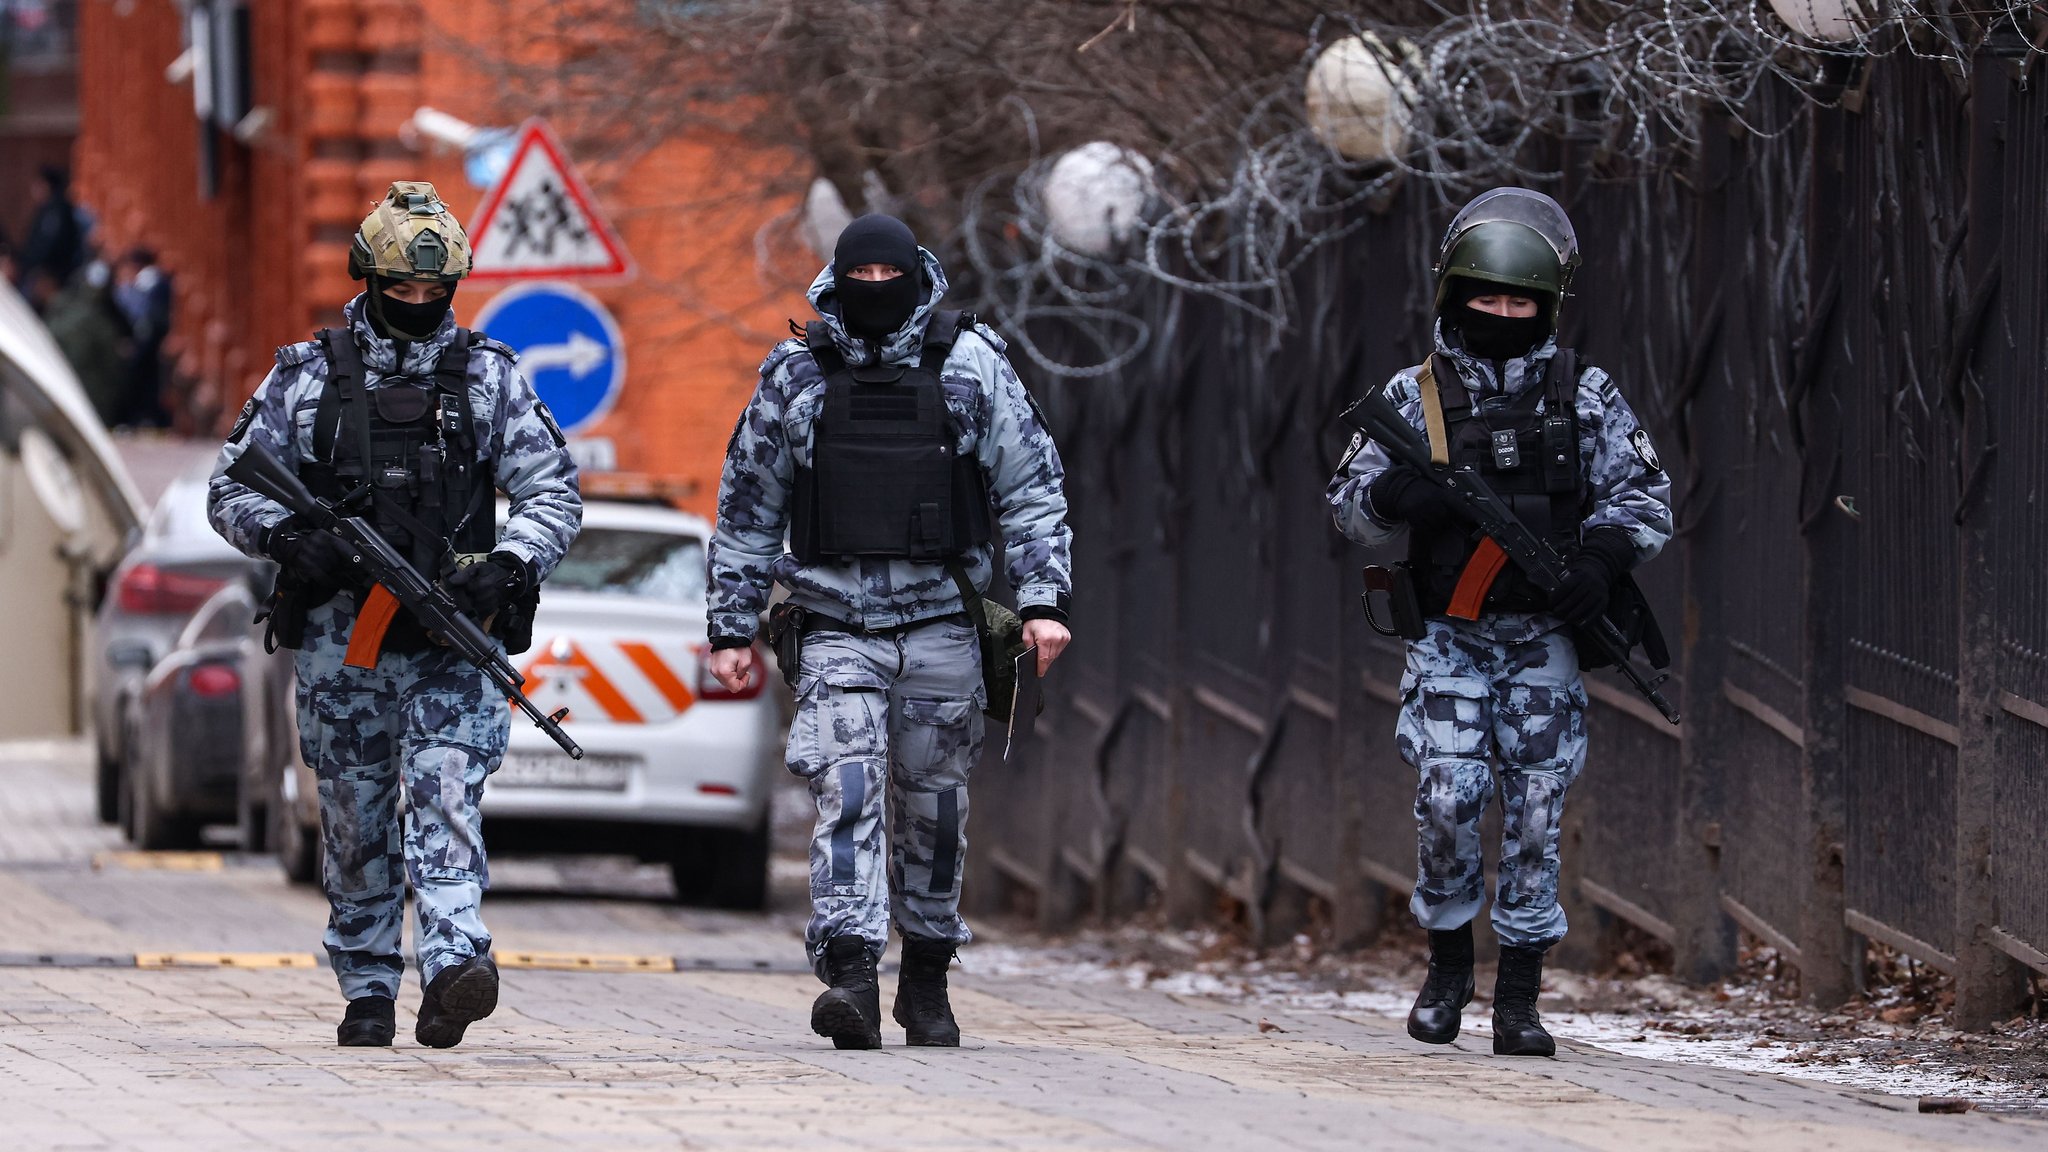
point(786, 638)
point(1404, 606)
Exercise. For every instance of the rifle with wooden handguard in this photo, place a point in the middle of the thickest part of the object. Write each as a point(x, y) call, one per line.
point(397, 584)
point(1378, 418)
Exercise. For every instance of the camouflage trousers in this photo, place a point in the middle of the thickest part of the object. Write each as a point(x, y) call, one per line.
point(886, 730)
point(429, 725)
point(1470, 703)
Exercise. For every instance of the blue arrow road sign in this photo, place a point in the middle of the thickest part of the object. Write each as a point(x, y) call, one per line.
point(568, 345)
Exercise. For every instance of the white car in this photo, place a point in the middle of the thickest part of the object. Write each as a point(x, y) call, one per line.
point(675, 769)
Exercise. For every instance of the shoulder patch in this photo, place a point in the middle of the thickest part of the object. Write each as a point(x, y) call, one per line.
point(1645, 451)
point(540, 408)
point(1351, 453)
point(243, 421)
point(299, 353)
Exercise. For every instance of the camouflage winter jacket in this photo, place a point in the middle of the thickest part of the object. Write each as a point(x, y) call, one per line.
point(1629, 487)
point(997, 425)
point(532, 464)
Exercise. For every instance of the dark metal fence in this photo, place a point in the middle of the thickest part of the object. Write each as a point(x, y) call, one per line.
point(1837, 334)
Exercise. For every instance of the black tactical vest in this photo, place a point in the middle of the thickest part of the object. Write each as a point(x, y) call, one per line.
point(1529, 458)
point(415, 443)
point(885, 478)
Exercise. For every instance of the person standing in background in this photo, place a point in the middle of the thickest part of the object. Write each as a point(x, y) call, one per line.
point(54, 245)
point(143, 293)
point(93, 334)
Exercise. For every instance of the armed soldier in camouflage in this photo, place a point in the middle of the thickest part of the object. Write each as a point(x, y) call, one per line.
point(417, 423)
point(1493, 670)
point(876, 443)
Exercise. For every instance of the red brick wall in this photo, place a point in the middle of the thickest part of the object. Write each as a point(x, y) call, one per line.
point(264, 263)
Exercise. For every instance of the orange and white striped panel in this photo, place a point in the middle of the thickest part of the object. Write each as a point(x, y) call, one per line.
point(621, 681)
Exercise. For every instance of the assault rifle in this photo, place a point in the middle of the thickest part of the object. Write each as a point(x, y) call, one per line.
point(398, 584)
point(1377, 418)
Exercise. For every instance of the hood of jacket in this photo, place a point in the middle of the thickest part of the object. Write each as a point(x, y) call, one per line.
point(381, 355)
point(1522, 373)
point(907, 343)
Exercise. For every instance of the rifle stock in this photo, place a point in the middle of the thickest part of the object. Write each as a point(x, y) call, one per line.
point(1377, 418)
point(429, 603)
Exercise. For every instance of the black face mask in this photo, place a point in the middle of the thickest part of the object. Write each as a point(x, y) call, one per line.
point(398, 320)
point(878, 309)
point(1492, 337)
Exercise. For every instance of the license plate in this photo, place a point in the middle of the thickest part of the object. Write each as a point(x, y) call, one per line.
point(596, 772)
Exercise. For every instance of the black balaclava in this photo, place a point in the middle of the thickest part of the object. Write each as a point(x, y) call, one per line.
point(877, 309)
point(398, 320)
point(1492, 337)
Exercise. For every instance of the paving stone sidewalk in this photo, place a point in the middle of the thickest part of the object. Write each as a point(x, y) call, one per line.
point(222, 1059)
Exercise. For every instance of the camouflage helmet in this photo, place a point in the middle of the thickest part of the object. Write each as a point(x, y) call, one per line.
point(1516, 238)
point(410, 235)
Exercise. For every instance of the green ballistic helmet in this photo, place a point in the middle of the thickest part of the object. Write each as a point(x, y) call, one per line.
point(1516, 238)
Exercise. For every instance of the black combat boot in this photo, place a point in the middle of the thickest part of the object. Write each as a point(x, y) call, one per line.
point(850, 1011)
point(1517, 1031)
point(921, 1004)
point(1447, 988)
point(370, 1023)
point(460, 996)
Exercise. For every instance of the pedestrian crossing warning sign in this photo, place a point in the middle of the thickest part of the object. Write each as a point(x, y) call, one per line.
point(540, 220)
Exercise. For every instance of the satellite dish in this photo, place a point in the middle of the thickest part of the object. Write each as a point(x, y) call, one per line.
point(1095, 195)
point(1827, 21)
point(51, 478)
point(1358, 98)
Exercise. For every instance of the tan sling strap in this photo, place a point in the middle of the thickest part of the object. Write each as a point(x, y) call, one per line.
point(1433, 412)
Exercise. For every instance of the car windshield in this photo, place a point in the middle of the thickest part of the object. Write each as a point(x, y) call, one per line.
point(633, 562)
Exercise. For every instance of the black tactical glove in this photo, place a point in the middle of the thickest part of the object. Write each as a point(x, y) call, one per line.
point(312, 555)
point(1403, 494)
point(1603, 557)
point(480, 589)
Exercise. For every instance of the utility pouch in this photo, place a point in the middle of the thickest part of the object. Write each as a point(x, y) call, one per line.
point(786, 639)
point(1395, 588)
point(1001, 633)
point(1630, 611)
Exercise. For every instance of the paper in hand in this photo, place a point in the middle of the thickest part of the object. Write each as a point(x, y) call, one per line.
point(1029, 700)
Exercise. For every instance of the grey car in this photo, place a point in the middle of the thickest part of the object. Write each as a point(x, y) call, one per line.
point(196, 722)
point(175, 566)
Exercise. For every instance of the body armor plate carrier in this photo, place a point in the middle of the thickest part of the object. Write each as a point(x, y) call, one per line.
point(886, 478)
point(404, 456)
point(1529, 458)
